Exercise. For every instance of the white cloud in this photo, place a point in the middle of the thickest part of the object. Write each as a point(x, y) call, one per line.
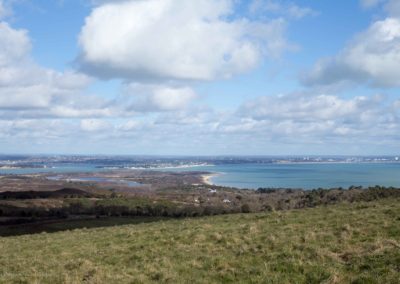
point(28, 90)
point(14, 44)
point(323, 117)
point(178, 40)
point(172, 98)
point(30, 97)
point(70, 80)
point(373, 57)
point(33, 87)
point(147, 97)
point(31, 90)
point(303, 120)
point(130, 125)
point(79, 111)
point(28, 131)
point(298, 119)
point(306, 108)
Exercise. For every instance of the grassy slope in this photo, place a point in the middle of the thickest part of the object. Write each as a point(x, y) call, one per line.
point(357, 243)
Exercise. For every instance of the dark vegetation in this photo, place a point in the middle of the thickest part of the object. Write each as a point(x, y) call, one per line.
point(190, 201)
point(61, 193)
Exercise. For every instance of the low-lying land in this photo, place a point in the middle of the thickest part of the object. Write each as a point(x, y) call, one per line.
point(345, 243)
point(68, 198)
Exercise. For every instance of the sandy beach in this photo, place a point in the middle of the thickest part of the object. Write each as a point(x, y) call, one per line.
point(207, 178)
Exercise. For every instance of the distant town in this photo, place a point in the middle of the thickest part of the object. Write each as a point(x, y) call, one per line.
point(160, 162)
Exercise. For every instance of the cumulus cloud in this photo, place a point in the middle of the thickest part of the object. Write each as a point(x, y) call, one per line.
point(373, 58)
point(175, 40)
point(15, 44)
point(30, 90)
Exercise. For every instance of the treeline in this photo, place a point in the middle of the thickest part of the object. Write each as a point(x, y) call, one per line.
point(283, 199)
point(263, 199)
point(99, 210)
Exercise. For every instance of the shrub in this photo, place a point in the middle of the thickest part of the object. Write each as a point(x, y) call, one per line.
point(245, 208)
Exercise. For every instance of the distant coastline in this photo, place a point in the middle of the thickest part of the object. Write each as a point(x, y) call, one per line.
point(240, 172)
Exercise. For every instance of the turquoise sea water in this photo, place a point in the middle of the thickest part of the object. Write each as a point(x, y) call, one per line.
point(307, 176)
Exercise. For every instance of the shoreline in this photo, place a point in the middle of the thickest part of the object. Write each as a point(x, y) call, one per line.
point(206, 179)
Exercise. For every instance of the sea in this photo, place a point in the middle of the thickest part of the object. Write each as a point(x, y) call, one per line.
point(307, 176)
point(267, 175)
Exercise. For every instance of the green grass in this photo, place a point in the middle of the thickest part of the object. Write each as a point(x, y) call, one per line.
point(347, 243)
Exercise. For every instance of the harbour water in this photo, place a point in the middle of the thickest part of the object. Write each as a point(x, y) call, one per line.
point(290, 175)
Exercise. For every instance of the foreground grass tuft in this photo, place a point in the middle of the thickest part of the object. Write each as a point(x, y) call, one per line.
point(347, 243)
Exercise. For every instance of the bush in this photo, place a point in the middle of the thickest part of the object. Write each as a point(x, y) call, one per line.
point(245, 208)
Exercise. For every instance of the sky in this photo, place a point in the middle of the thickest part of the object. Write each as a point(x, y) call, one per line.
point(204, 77)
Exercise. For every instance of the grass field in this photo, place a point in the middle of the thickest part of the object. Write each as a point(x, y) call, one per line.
point(346, 243)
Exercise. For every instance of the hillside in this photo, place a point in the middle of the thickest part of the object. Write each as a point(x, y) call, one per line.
point(345, 243)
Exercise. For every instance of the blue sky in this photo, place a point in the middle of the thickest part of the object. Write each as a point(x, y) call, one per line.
point(207, 77)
